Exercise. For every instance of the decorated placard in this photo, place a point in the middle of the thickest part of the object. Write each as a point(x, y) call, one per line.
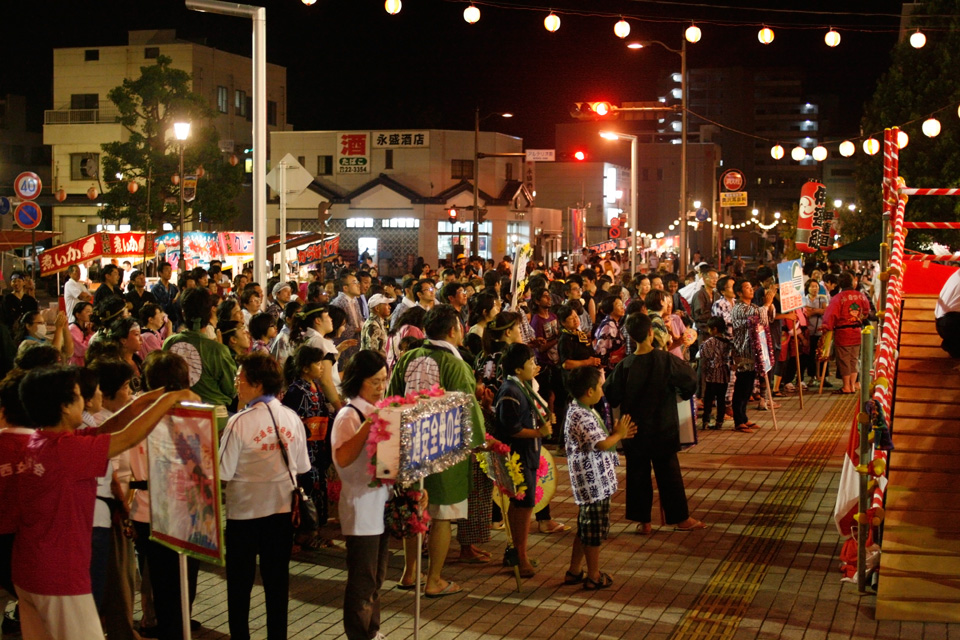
point(185, 507)
point(763, 352)
point(415, 436)
point(790, 275)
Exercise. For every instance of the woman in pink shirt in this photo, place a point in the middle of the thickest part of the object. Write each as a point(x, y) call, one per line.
point(81, 331)
point(155, 326)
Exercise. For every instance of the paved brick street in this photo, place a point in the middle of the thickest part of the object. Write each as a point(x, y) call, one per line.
point(765, 568)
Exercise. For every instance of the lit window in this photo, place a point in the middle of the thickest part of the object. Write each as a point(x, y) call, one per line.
point(359, 223)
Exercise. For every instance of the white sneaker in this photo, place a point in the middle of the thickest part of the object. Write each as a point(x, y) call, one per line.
point(790, 387)
point(804, 385)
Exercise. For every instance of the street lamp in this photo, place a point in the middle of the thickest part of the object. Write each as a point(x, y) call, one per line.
point(182, 131)
point(634, 184)
point(475, 249)
point(682, 52)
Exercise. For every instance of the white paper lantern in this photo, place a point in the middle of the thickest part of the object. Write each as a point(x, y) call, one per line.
point(622, 29)
point(552, 22)
point(798, 153)
point(776, 152)
point(847, 148)
point(471, 14)
point(832, 38)
point(902, 139)
point(917, 40)
point(692, 34)
point(931, 127)
point(765, 35)
point(819, 153)
point(393, 6)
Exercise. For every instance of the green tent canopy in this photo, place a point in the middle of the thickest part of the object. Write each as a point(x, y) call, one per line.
point(867, 248)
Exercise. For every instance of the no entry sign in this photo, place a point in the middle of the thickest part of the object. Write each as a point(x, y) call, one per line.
point(28, 215)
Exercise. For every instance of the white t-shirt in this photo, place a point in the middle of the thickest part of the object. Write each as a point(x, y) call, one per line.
point(361, 506)
point(258, 482)
point(71, 294)
point(949, 299)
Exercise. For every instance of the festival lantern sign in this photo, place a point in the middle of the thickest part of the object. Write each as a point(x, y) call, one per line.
point(813, 199)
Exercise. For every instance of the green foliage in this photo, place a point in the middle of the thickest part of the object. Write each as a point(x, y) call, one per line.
point(919, 83)
point(149, 105)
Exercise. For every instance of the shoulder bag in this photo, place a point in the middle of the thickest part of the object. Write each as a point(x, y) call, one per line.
point(303, 511)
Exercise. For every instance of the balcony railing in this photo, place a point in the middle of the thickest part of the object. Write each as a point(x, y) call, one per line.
point(80, 116)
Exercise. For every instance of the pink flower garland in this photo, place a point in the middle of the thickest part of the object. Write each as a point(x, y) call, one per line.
point(542, 471)
point(379, 427)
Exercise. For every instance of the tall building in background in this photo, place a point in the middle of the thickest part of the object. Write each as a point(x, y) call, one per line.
point(83, 118)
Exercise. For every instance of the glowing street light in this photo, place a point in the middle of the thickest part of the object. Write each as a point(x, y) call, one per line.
point(181, 130)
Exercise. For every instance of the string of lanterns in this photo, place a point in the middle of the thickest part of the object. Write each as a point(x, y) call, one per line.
point(621, 28)
point(777, 220)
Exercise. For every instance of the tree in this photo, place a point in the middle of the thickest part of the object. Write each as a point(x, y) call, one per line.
point(919, 84)
point(148, 106)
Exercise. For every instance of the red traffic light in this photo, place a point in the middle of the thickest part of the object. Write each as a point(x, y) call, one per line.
point(594, 110)
point(452, 214)
point(579, 155)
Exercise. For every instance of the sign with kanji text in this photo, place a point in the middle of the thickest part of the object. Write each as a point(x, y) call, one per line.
point(28, 215)
point(733, 198)
point(401, 139)
point(189, 188)
point(541, 155)
point(317, 251)
point(27, 185)
point(732, 180)
point(530, 176)
point(353, 153)
point(790, 277)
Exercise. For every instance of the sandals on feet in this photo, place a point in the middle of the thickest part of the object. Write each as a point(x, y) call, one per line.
point(593, 585)
point(574, 578)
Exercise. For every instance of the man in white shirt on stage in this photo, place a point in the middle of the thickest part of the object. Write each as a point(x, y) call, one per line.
point(947, 314)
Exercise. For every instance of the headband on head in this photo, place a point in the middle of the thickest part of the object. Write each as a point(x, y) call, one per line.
point(493, 325)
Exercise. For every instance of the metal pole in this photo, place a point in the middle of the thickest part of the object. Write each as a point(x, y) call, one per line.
point(258, 15)
point(683, 157)
point(181, 267)
point(283, 220)
point(634, 200)
point(475, 249)
point(864, 455)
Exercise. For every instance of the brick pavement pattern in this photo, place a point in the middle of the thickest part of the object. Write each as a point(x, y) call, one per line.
point(767, 566)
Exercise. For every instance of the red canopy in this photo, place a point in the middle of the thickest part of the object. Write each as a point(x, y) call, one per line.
point(16, 238)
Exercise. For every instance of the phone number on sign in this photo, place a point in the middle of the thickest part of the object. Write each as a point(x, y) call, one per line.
point(361, 169)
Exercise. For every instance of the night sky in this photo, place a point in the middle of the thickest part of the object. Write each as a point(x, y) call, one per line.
point(352, 66)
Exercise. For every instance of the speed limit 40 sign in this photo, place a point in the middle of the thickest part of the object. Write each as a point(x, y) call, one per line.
point(27, 186)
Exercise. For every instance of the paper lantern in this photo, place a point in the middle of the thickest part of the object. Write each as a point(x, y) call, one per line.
point(132, 186)
point(60, 195)
point(871, 146)
point(819, 153)
point(622, 29)
point(917, 40)
point(393, 6)
point(765, 35)
point(200, 172)
point(92, 193)
point(692, 34)
point(776, 152)
point(552, 22)
point(798, 153)
point(902, 139)
point(175, 179)
point(234, 160)
point(847, 148)
point(309, 3)
point(832, 38)
point(471, 14)
point(931, 127)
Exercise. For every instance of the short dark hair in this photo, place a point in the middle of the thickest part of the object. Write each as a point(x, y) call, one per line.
point(420, 284)
point(120, 329)
point(490, 279)
point(588, 274)
point(718, 323)
point(225, 309)
point(607, 304)
point(88, 381)
point(409, 282)
point(581, 380)
point(46, 391)
point(105, 271)
point(636, 306)
point(196, 304)
point(764, 273)
point(364, 364)
point(248, 294)
point(314, 289)
point(654, 300)
point(36, 357)
point(262, 369)
point(638, 327)
point(722, 282)
point(514, 357)
point(10, 405)
point(338, 317)
point(166, 370)
point(440, 321)
point(147, 311)
point(101, 349)
point(251, 286)
point(564, 311)
point(260, 324)
point(108, 310)
point(303, 357)
point(450, 289)
point(113, 374)
point(845, 280)
point(738, 286)
point(162, 266)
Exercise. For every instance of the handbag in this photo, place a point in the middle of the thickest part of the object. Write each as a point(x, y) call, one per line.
point(303, 511)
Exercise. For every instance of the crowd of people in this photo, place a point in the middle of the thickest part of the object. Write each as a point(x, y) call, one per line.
point(295, 369)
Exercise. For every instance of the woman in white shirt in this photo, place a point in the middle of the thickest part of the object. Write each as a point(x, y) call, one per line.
point(361, 506)
point(260, 482)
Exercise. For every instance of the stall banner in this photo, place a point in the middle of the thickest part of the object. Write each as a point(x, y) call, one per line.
point(107, 244)
point(313, 253)
point(202, 247)
point(185, 507)
point(236, 243)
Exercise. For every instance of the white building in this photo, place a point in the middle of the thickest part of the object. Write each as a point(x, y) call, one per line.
point(391, 191)
point(83, 117)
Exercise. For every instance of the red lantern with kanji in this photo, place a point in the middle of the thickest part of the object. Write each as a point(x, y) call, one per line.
point(60, 195)
point(200, 172)
point(234, 160)
point(92, 193)
point(813, 198)
point(175, 179)
point(132, 186)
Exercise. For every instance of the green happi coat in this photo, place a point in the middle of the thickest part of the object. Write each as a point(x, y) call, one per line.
point(452, 374)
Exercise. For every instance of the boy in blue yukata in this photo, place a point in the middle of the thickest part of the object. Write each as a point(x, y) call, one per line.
point(591, 460)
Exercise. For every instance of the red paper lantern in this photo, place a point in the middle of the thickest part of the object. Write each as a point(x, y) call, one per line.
point(200, 172)
point(92, 193)
point(234, 160)
point(175, 179)
point(132, 186)
point(60, 195)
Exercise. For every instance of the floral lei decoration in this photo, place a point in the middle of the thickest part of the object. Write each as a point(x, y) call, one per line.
point(753, 322)
point(512, 463)
point(542, 471)
point(402, 514)
point(379, 427)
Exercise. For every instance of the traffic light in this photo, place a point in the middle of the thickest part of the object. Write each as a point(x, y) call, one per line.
point(452, 214)
point(592, 110)
point(323, 213)
point(579, 156)
point(482, 214)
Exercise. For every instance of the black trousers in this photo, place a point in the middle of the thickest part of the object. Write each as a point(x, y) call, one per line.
point(271, 538)
point(367, 558)
point(164, 574)
point(715, 391)
point(948, 328)
point(6, 556)
point(639, 496)
point(742, 390)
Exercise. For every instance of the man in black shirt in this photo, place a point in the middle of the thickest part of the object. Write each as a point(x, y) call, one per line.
point(110, 284)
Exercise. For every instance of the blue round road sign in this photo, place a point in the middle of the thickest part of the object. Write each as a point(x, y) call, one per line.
point(4, 206)
point(28, 215)
point(703, 214)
